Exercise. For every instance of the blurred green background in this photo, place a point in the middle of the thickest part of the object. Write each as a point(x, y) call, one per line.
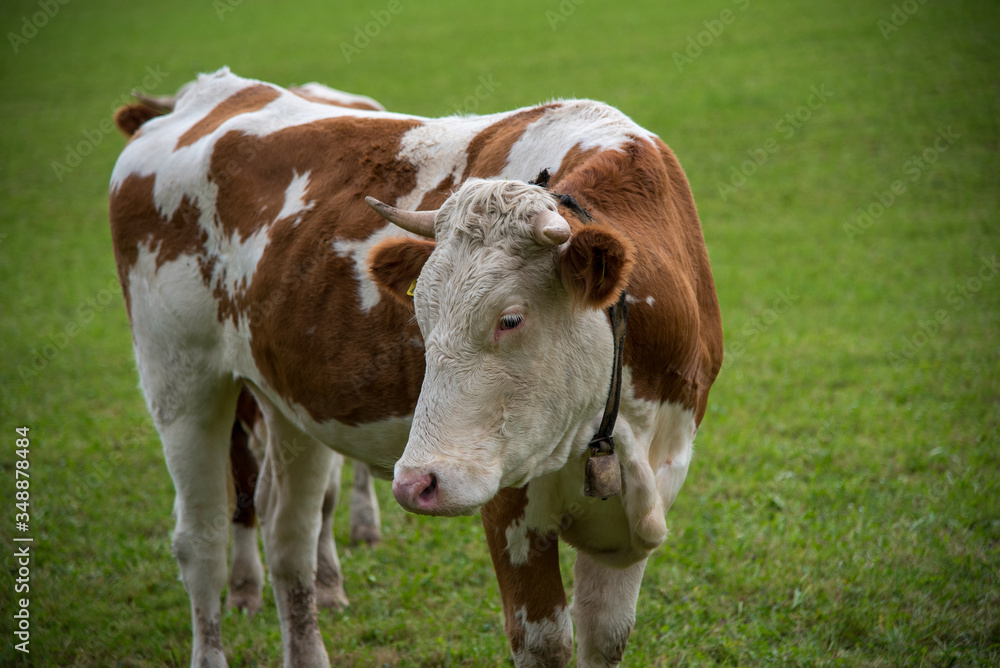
point(843, 505)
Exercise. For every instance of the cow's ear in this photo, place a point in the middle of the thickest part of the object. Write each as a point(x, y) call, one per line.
point(595, 265)
point(394, 265)
point(130, 117)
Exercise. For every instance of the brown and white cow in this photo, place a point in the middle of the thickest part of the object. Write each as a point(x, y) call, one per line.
point(249, 433)
point(475, 368)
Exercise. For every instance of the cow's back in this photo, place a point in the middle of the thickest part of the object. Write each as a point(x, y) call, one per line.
point(241, 214)
point(250, 198)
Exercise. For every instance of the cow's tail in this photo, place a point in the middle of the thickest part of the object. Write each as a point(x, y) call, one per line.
point(130, 117)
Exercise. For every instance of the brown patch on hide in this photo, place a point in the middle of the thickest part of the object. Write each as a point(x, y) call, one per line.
point(395, 264)
point(242, 101)
point(489, 150)
point(536, 586)
point(357, 104)
point(135, 221)
point(674, 345)
point(311, 339)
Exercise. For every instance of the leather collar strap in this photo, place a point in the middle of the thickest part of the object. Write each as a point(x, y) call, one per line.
point(604, 440)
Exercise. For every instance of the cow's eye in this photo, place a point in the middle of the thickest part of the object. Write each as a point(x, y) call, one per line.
point(511, 320)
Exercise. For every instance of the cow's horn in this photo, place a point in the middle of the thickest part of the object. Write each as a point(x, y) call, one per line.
point(551, 229)
point(418, 222)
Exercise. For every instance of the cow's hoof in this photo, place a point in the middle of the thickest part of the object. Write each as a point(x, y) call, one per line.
point(245, 597)
point(331, 596)
point(365, 533)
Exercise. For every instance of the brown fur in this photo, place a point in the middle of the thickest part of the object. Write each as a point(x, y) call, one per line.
point(130, 117)
point(135, 222)
point(488, 151)
point(535, 586)
point(307, 327)
point(395, 264)
point(243, 101)
point(596, 265)
point(674, 345)
point(244, 465)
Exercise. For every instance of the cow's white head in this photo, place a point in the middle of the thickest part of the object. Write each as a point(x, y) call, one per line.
point(509, 301)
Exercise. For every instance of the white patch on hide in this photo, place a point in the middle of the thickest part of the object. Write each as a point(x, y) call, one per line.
point(295, 196)
point(544, 636)
point(358, 251)
point(518, 543)
point(671, 449)
point(439, 149)
point(583, 123)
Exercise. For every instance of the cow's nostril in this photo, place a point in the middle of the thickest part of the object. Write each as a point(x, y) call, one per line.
point(430, 489)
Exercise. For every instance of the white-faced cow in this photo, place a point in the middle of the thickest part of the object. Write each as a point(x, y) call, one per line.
point(474, 368)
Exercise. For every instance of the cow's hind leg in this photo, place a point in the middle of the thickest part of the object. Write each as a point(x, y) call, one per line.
point(195, 429)
point(295, 474)
point(603, 610)
point(246, 574)
point(366, 521)
point(329, 578)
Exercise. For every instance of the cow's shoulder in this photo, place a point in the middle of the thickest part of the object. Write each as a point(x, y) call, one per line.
point(674, 343)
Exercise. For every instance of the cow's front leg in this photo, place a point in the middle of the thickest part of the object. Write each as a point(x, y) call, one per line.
point(604, 610)
point(536, 617)
point(289, 502)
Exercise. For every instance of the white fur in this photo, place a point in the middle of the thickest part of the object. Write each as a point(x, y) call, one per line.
point(518, 543)
point(246, 574)
point(582, 123)
point(295, 194)
point(603, 610)
point(542, 636)
point(358, 250)
point(438, 148)
point(289, 499)
point(337, 96)
point(671, 451)
point(534, 391)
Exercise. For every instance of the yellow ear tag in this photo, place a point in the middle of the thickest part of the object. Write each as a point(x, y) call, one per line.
point(413, 286)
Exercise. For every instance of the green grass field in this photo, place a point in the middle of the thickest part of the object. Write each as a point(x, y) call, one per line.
point(843, 507)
